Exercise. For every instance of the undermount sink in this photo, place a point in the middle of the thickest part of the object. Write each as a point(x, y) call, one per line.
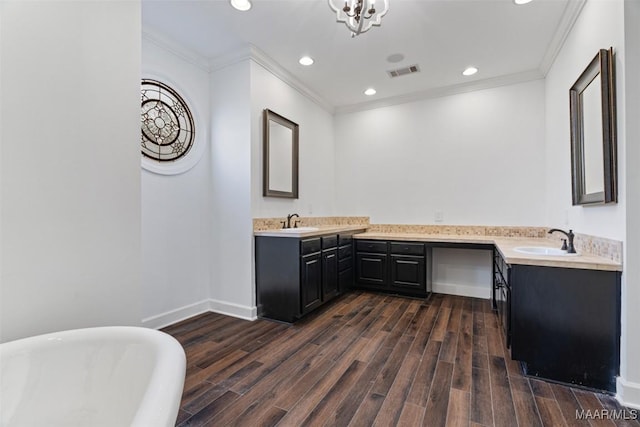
point(542, 250)
point(298, 230)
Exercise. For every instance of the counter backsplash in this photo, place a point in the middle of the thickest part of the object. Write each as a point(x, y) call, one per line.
point(462, 230)
point(600, 246)
point(606, 248)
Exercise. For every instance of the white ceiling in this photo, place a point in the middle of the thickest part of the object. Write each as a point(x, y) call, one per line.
point(505, 41)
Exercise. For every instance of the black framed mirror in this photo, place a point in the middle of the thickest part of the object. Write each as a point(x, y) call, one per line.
point(593, 132)
point(280, 156)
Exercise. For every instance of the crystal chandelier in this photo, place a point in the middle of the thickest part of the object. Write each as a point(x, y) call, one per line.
point(359, 15)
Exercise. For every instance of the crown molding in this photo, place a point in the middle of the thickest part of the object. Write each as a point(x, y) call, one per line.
point(569, 18)
point(230, 58)
point(274, 68)
point(439, 92)
point(175, 48)
point(249, 52)
point(259, 57)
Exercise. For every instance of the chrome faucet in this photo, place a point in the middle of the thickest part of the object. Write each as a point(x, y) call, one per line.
point(569, 247)
point(288, 222)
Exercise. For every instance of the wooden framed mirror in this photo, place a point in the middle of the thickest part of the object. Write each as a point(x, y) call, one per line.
point(593, 133)
point(280, 156)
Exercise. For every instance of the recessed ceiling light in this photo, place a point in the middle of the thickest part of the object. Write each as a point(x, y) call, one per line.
point(396, 57)
point(242, 5)
point(369, 92)
point(521, 1)
point(306, 60)
point(470, 71)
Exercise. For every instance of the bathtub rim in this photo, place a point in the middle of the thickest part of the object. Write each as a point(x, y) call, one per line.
point(160, 403)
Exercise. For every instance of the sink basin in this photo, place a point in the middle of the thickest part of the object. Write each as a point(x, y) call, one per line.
point(542, 250)
point(298, 230)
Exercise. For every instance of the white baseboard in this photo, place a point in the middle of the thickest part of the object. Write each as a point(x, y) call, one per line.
point(174, 316)
point(628, 393)
point(234, 310)
point(462, 290)
point(250, 313)
point(179, 314)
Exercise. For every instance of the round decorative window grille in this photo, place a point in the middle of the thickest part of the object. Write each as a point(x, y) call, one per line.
point(167, 123)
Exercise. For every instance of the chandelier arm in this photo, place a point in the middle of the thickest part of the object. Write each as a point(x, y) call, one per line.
point(359, 29)
point(356, 12)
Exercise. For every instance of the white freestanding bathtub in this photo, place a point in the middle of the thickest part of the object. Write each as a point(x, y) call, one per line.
point(109, 376)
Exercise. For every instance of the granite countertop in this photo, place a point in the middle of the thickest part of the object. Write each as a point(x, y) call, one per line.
point(321, 230)
point(505, 246)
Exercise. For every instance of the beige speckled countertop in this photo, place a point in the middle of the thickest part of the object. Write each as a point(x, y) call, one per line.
point(506, 247)
point(321, 231)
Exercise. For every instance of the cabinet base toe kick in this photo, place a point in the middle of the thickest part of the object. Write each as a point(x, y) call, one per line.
point(603, 383)
point(415, 295)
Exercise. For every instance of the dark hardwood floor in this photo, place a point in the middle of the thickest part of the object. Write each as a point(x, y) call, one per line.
point(370, 359)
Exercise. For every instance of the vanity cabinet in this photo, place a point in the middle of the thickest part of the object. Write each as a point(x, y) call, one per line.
point(310, 282)
point(562, 324)
point(408, 263)
point(399, 267)
point(294, 276)
point(345, 262)
point(502, 294)
point(329, 267)
point(371, 264)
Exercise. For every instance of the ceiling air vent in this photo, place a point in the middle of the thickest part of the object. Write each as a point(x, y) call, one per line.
point(404, 71)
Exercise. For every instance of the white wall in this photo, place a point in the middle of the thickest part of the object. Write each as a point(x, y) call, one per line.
point(476, 157)
point(316, 148)
point(177, 209)
point(70, 185)
point(629, 384)
point(232, 287)
point(600, 25)
point(209, 209)
point(467, 272)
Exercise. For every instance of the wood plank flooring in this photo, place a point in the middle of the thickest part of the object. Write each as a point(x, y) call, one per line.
point(370, 359)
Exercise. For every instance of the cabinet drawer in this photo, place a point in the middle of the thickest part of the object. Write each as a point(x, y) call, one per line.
point(329, 242)
point(344, 252)
point(345, 239)
point(407, 248)
point(344, 264)
point(310, 246)
point(371, 246)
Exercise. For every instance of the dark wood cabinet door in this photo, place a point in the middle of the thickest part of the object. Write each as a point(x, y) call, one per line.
point(329, 274)
point(503, 304)
point(371, 270)
point(565, 324)
point(408, 273)
point(345, 280)
point(501, 295)
point(311, 282)
point(345, 266)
